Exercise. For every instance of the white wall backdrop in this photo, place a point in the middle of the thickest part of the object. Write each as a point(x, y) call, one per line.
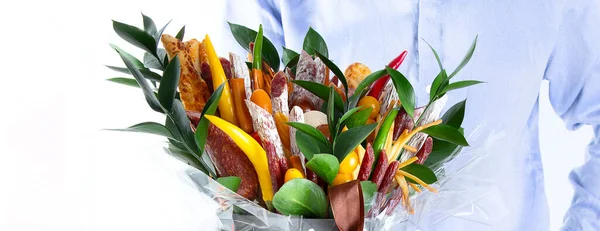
point(60, 171)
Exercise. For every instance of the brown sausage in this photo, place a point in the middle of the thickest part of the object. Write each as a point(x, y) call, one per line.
point(388, 177)
point(226, 67)
point(425, 150)
point(230, 160)
point(310, 175)
point(367, 162)
point(394, 201)
point(194, 117)
point(380, 168)
point(401, 123)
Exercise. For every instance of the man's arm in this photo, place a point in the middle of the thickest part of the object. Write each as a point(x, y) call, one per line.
point(251, 14)
point(574, 75)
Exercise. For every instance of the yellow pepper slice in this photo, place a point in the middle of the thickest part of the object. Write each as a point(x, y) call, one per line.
point(255, 152)
point(218, 77)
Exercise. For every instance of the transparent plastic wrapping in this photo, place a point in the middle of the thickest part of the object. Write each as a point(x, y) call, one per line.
point(464, 192)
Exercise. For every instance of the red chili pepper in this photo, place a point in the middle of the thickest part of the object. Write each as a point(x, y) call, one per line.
point(377, 86)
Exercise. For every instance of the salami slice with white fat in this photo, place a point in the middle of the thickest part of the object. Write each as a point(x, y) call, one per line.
point(306, 70)
point(279, 93)
point(320, 73)
point(264, 124)
point(388, 95)
point(296, 115)
point(240, 70)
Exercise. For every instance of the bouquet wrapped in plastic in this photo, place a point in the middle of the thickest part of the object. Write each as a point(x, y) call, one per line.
point(304, 145)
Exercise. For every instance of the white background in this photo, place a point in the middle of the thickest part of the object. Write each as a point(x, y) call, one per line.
point(60, 171)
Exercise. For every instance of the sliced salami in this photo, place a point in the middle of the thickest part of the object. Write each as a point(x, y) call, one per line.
point(279, 93)
point(305, 70)
point(296, 115)
point(264, 124)
point(388, 95)
point(240, 70)
point(320, 73)
point(230, 160)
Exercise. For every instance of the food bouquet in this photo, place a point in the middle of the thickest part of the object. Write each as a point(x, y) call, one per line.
point(277, 146)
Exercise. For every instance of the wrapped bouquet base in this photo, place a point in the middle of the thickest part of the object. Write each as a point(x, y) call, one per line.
point(462, 194)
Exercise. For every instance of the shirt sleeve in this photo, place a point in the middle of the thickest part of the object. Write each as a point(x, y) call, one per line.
point(573, 73)
point(252, 13)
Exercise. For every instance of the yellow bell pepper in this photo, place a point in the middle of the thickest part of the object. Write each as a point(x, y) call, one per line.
point(349, 164)
point(255, 152)
point(218, 77)
point(341, 178)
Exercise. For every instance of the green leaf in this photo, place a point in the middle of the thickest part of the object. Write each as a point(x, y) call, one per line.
point(230, 182)
point(210, 108)
point(446, 133)
point(421, 172)
point(312, 132)
point(437, 57)
point(466, 59)
point(119, 69)
point(406, 93)
point(301, 197)
point(335, 69)
point(244, 36)
point(148, 127)
point(348, 140)
point(125, 81)
point(148, 92)
point(136, 62)
point(181, 33)
point(440, 81)
point(149, 25)
point(326, 166)
point(454, 116)
point(306, 144)
point(176, 134)
point(185, 156)
point(440, 152)
point(150, 75)
point(135, 36)
point(459, 84)
point(290, 57)
point(321, 91)
point(313, 42)
point(348, 114)
point(168, 86)
point(359, 118)
point(257, 52)
point(151, 62)
point(163, 57)
point(160, 32)
point(331, 121)
point(368, 190)
point(182, 122)
point(208, 164)
point(366, 82)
